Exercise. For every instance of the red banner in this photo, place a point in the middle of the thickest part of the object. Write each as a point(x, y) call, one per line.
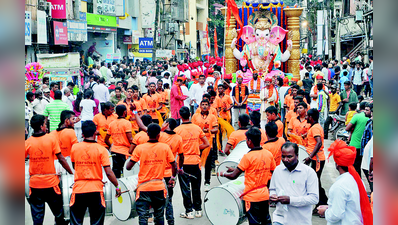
point(60, 33)
point(58, 9)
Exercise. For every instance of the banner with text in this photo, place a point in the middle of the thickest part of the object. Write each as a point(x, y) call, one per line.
point(41, 27)
point(28, 28)
point(58, 9)
point(60, 33)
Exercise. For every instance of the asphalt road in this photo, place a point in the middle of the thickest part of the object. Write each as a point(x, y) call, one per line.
point(328, 177)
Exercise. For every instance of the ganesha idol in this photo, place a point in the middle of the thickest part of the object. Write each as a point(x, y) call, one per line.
point(261, 50)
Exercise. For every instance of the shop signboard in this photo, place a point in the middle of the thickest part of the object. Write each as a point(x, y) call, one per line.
point(127, 39)
point(59, 60)
point(145, 45)
point(148, 12)
point(83, 16)
point(164, 53)
point(60, 33)
point(41, 27)
point(135, 49)
point(77, 30)
point(101, 20)
point(28, 28)
point(136, 36)
point(104, 7)
point(58, 9)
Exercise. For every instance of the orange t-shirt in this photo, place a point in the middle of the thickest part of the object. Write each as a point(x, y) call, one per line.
point(41, 151)
point(118, 129)
point(225, 103)
point(162, 99)
point(175, 143)
point(140, 138)
point(212, 111)
point(298, 127)
point(288, 101)
point(152, 103)
point(89, 158)
point(139, 108)
point(154, 157)
point(191, 135)
point(257, 165)
point(237, 136)
point(263, 136)
point(291, 106)
point(103, 122)
point(314, 131)
point(65, 138)
point(290, 115)
point(210, 121)
point(217, 103)
point(280, 128)
point(275, 147)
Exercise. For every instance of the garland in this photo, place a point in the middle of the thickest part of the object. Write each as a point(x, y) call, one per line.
point(258, 84)
point(242, 92)
point(262, 6)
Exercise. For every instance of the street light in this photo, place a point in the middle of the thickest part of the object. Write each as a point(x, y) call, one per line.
point(304, 24)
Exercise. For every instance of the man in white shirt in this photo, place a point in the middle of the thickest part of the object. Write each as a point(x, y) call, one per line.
point(67, 97)
point(166, 67)
point(143, 78)
point(101, 92)
point(197, 91)
point(37, 103)
point(70, 86)
point(357, 78)
point(294, 187)
point(109, 73)
point(46, 98)
point(348, 201)
point(166, 78)
point(325, 71)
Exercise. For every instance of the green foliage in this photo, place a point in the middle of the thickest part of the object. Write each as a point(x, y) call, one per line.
point(218, 22)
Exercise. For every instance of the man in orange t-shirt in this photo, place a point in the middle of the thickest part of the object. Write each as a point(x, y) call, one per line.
point(255, 121)
point(257, 165)
point(274, 143)
point(88, 158)
point(209, 124)
point(142, 136)
point(299, 125)
point(133, 102)
point(163, 99)
point(272, 115)
point(102, 121)
point(212, 110)
point(215, 101)
point(120, 130)
point(44, 182)
point(226, 104)
point(292, 113)
point(151, 191)
point(152, 100)
point(194, 141)
point(314, 148)
point(168, 136)
point(238, 135)
point(289, 97)
point(65, 133)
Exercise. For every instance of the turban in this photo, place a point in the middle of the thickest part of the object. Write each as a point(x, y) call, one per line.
point(285, 80)
point(268, 79)
point(181, 77)
point(185, 66)
point(345, 156)
point(239, 74)
point(294, 79)
point(219, 63)
point(207, 65)
point(255, 71)
point(319, 77)
point(144, 73)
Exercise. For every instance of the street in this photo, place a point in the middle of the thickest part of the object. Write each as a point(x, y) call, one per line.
point(328, 177)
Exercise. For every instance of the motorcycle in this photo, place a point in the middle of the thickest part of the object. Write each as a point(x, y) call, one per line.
point(342, 134)
point(338, 122)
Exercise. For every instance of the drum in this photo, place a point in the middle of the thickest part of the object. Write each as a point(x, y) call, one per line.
point(253, 104)
point(124, 206)
point(66, 189)
point(27, 179)
point(134, 171)
point(59, 169)
point(223, 205)
point(302, 153)
point(108, 196)
point(232, 160)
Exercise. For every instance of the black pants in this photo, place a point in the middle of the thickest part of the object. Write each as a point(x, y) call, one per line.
point(358, 89)
point(118, 164)
point(259, 213)
point(169, 203)
point(191, 198)
point(328, 121)
point(307, 96)
point(358, 162)
point(37, 201)
point(92, 201)
point(154, 199)
point(366, 172)
point(209, 164)
point(367, 90)
point(323, 199)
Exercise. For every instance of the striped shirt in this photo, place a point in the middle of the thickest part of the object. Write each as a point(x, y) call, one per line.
point(53, 111)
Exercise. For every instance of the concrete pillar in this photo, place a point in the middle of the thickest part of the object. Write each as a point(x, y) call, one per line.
point(293, 25)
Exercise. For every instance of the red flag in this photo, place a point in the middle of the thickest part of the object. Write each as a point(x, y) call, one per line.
point(215, 43)
point(207, 37)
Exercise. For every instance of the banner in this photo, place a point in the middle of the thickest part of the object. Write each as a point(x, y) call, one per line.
point(101, 20)
point(77, 30)
point(161, 53)
point(60, 33)
point(41, 27)
point(58, 9)
point(148, 11)
point(146, 42)
point(104, 7)
point(28, 28)
point(204, 48)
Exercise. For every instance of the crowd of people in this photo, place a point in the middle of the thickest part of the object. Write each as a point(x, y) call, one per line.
point(173, 117)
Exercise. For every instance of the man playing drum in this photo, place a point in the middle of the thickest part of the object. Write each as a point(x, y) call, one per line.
point(257, 164)
point(88, 157)
point(238, 135)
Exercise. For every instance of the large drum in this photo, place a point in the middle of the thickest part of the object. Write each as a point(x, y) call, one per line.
point(124, 206)
point(232, 160)
point(223, 205)
point(107, 193)
point(66, 189)
point(134, 171)
point(27, 178)
point(253, 104)
point(302, 153)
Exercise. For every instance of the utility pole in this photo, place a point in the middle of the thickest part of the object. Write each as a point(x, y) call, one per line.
point(329, 28)
point(155, 32)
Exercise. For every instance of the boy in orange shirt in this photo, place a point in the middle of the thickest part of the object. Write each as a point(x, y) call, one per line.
point(194, 141)
point(257, 164)
point(272, 115)
point(120, 130)
point(151, 191)
point(226, 104)
point(255, 121)
point(274, 143)
point(163, 99)
point(152, 100)
point(88, 158)
point(299, 125)
point(315, 150)
point(44, 182)
point(103, 119)
point(238, 135)
point(65, 133)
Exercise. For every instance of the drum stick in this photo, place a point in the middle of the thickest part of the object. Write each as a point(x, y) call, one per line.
point(124, 191)
point(190, 175)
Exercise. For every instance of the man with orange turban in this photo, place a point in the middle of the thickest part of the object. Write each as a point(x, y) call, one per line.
point(348, 201)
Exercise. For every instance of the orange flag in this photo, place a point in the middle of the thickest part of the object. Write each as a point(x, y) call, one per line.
point(215, 43)
point(207, 37)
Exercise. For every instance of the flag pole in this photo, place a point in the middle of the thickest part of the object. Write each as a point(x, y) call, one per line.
point(225, 31)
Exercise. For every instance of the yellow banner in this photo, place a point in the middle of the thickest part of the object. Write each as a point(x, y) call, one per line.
point(135, 49)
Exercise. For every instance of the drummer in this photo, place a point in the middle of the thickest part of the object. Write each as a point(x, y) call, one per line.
point(120, 131)
point(293, 112)
point(274, 143)
point(299, 125)
point(238, 135)
point(257, 164)
point(65, 133)
point(88, 157)
point(272, 115)
point(103, 119)
point(44, 182)
point(142, 136)
point(255, 121)
point(151, 191)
